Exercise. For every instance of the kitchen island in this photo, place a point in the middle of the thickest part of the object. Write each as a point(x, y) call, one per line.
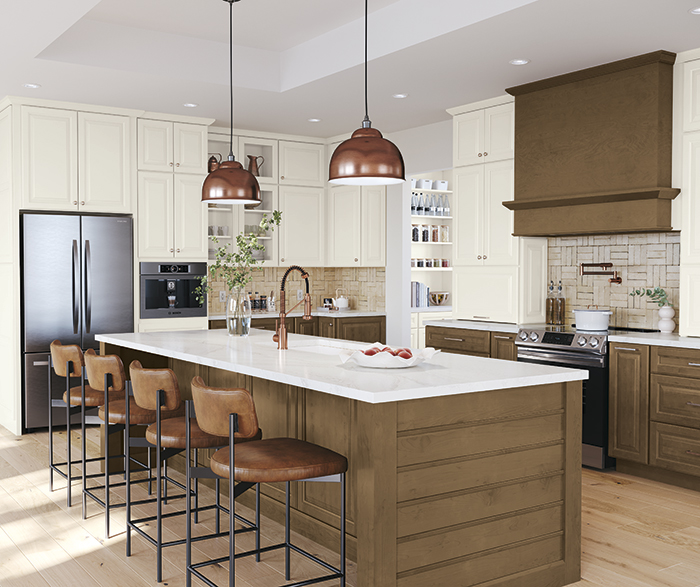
point(463, 470)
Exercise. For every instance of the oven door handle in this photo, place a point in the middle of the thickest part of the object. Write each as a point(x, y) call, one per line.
point(562, 359)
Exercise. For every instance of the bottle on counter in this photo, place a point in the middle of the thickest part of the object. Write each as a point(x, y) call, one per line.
point(271, 302)
point(263, 303)
point(559, 306)
point(549, 304)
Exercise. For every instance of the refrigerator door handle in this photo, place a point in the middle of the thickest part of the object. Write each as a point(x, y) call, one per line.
point(88, 301)
point(40, 363)
point(76, 294)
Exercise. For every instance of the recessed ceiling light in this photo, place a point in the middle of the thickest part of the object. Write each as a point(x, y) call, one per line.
point(519, 61)
point(190, 105)
point(314, 120)
point(399, 96)
point(695, 11)
point(32, 86)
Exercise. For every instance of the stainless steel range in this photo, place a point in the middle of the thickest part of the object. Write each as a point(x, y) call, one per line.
point(560, 346)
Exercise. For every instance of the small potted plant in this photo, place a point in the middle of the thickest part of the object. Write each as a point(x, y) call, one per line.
point(234, 266)
point(666, 311)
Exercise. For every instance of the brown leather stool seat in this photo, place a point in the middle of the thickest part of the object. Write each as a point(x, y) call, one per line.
point(278, 460)
point(93, 397)
point(137, 415)
point(173, 434)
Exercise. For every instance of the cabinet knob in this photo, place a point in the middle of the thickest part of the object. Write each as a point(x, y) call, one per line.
point(171, 250)
point(486, 154)
point(479, 257)
point(281, 176)
point(171, 163)
point(479, 154)
point(355, 259)
point(178, 250)
point(484, 257)
point(178, 165)
point(75, 202)
point(82, 203)
point(282, 259)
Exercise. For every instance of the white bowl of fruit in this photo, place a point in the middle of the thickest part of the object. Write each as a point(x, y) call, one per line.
point(379, 356)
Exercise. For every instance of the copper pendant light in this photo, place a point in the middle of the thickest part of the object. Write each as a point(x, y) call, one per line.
point(228, 181)
point(366, 158)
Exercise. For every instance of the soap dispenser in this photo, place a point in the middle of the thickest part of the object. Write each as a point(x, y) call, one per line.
point(549, 305)
point(559, 306)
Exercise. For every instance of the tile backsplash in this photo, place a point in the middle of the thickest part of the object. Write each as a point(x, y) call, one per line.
point(642, 260)
point(364, 287)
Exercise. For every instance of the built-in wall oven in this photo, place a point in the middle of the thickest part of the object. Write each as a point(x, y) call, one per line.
point(169, 290)
point(577, 350)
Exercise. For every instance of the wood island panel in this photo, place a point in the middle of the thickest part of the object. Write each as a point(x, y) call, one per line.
point(475, 488)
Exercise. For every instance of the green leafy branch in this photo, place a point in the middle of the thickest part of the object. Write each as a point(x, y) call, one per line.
point(234, 265)
point(656, 295)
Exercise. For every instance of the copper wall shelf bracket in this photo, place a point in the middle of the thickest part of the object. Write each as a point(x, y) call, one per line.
point(583, 270)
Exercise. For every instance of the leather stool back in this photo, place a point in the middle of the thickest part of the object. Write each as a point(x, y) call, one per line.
point(61, 354)
point(97, 366)
point(147, 382)
point(213, 405)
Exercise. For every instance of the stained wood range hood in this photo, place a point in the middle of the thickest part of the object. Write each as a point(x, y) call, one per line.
point(593, 150)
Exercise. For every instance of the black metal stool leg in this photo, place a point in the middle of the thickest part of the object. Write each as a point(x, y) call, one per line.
point(159, 500)
point(50, 427)
point(287, 538)
point(69, 479)
point(127, 462)
point(342, 529)
point(233, 428)
point(196, 487)
point(107, 383)
point(83, 445)
point(188, 501)
point(257, 522)
point(218, 510)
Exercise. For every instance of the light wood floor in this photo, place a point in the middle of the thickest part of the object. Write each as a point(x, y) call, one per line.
point(636, 533)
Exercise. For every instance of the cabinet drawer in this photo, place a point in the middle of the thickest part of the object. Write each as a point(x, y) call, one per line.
point(269, 324)
point(477, 342)
point(675, 400)
point(675, 448)
point(675, 361)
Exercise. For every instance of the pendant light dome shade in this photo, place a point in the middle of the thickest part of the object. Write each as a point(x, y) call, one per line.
point(230, 182)
point(367, 158)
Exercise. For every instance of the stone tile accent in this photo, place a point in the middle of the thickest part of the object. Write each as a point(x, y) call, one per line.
point(365, 287)
point(642, 260)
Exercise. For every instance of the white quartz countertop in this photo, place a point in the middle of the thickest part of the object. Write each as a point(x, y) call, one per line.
point(649, 338)
point(313, 362)
point(336, 314)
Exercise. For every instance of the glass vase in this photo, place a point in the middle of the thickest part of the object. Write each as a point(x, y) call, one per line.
point(238, 313)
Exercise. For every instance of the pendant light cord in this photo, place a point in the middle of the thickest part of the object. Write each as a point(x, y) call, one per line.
point(230, 71)
point(366, 123)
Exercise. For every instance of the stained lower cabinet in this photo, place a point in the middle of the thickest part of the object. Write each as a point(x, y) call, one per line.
point(460, 341)
point(503, 346)
point(629, 402)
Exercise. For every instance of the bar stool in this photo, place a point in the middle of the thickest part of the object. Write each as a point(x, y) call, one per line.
point(232, 412)
point(67, 361)
point(157, 391)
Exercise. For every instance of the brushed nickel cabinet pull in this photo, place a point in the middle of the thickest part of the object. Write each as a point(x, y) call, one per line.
point(690, 452)
point(694, 364)
point(455, 339)
point(502, 337)
point(692, 404)
point(622, 348)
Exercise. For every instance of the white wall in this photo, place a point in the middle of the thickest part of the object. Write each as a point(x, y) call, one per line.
point(424, 148)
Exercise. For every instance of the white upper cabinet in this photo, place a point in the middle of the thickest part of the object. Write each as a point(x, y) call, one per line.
point(691, 96)
point(49, 140)
point(483, 135)
point(302, 237)
point(344, 221)
point(301, 164)
point(373, 227)
point(156, 216)
point(190, 221)
point(104, 168)
point(486, 293)
point(484, 227)
point(265, 152)
point(172, 146)
point(690, 200)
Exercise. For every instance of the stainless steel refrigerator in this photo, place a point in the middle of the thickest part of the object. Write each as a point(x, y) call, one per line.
point(77, 281)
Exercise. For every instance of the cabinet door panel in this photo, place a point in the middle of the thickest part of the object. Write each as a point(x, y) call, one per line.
point(629, 402)
point(362, 329)
point(468, 140)
point(190, 144)
point(691, 96)
point(344, 205)
point(302, 232)
point(190, 218)
point(690, 203)
point(326, 327)
point(49, 158)
point(155, 145)
point(373, 227)
point(503, 346)
point(104, 154)
point(307, 327)
point(301, 164)
point(500, 247)
point(155, 206)
point(468, 202)
point(499, 133)
point(689, 322)
point(486, 293)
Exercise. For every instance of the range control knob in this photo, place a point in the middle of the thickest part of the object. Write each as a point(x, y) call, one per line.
point(581, 341)
point(523, 335)
point(534, 336)
point(594, 342)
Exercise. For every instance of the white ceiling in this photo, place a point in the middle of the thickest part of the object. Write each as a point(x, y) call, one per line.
point(300, 59)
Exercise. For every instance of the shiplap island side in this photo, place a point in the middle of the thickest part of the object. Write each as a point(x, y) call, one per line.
point(463, 470)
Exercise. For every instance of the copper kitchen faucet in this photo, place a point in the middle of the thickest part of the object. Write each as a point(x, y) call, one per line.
point(280, 336)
